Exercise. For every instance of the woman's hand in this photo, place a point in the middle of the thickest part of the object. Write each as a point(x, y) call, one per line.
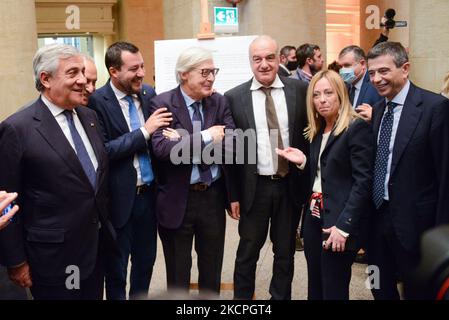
point(336, 240)
point(171, 134)
point(292, 154)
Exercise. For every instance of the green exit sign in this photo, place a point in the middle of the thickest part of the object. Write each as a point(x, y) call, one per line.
point(226, 16)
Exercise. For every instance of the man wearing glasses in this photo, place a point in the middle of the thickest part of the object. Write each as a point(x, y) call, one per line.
point(193, 193)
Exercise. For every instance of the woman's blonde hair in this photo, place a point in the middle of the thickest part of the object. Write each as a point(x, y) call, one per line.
point(346, 114)
point(445, 87)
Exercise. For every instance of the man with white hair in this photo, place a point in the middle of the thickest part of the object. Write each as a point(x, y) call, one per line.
point(53, 156)
point(192, 196)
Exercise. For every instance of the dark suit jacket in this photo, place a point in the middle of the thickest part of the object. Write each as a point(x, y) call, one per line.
point(282, 72)
point(368, 94)
point(241, 103)
point(346, 175)
point(174, 180)
point(419, 179)
point(121, 145)
point(57, 225)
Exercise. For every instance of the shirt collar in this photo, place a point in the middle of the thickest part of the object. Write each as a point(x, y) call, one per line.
point(256, 85)
point(118, 93)
point(189, 101)
point(399, 99)
point(54, 109)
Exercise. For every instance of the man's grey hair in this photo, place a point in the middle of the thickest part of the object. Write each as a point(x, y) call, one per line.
point(47, 59)
point(189, 59)
point(393, 49)
point(359, 54)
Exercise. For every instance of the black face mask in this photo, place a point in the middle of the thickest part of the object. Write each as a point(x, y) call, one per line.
point(292, 65)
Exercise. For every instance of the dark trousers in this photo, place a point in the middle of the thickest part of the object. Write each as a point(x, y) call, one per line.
point(204, 220)
point(90, 288)
point(387, 253)
point(328, 273)
point(271, 205)
point(137, 238)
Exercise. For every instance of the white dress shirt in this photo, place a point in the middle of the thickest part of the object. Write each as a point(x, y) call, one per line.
point(61, 119)
point(399, 99)
point(264, 156)
point(125, 110)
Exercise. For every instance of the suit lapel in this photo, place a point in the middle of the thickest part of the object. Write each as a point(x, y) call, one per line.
point(330, 141)
point(378, 113)
point(114, 109)
point(209, 112)
point(290, 98)
point(411, 113)
point(144, 103)
point(314, 155)
point(363, 89)
point(182, 113)
point(247, 103)
point(95, 141)
point(50, 130)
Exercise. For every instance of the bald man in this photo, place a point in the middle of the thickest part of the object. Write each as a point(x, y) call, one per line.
point(272, 192)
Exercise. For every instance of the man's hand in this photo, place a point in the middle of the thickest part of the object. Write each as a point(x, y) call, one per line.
point(160, 118)
point(235, 210)
point(5, 200)
point(217, 133)
point(21, 275)
point(171, 134)
point(365, 111)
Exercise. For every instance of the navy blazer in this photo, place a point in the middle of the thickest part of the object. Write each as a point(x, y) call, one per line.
point(57, 224)
point(121, 145)
point(174, 179)
point(419, 177)
point(368, 93)
point(346, 176)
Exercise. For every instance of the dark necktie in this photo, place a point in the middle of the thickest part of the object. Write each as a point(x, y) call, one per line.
point(352, 95)
point(383, 150)
point(204, 169)
point(146, 171)
point(280, 164)
point(80, 149)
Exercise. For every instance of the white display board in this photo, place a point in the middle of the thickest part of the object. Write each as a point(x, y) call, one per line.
point(230, 56)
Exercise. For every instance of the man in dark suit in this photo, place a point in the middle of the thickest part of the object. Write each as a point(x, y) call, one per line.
point(123, 108)
point(192, 195)
point(411, 174)
point(271, 188)
point(53, 156)
point(362, 93)
point(287, 61)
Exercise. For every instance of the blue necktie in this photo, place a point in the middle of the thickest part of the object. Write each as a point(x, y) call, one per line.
point(80, 148)
point(146, 172)
point(204, 169)
point(383, 150)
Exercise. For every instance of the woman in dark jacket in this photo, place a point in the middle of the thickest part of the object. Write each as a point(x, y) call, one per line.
point(340, 167)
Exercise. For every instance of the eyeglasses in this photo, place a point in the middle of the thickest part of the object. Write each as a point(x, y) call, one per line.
point(206, 72)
